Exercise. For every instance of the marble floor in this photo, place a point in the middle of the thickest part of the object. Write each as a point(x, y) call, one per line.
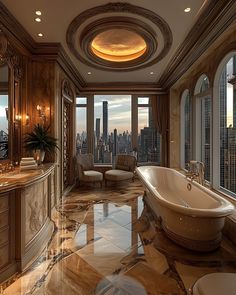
point(105, 242)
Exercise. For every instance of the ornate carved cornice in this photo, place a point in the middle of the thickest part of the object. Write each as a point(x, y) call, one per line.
point(213, 20)
point(8, 55)
point(50, 51)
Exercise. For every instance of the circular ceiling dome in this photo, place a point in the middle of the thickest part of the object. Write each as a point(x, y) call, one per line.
point(119, 37)
point(118, 45)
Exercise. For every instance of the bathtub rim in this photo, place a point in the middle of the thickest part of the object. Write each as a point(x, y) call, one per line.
point(225, 207)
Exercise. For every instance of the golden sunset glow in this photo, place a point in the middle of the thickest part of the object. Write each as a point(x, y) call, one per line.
point(118, 45)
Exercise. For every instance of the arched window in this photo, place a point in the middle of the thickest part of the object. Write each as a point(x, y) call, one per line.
point(185, 129)
point(227, 124)
point(203, 123)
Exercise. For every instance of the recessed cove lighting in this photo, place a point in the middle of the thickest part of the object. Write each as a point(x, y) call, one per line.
point(40, 34)
point(38, 12)
point(187, 9)
point(89, 73)
point(37, 19)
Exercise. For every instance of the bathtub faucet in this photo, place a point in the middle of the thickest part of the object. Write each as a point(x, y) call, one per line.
point(196, 171)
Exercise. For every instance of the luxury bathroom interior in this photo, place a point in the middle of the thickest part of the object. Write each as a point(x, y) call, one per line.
point(117, 147)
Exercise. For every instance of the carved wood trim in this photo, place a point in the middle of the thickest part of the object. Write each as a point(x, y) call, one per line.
point(52, 51)
point(68, 97)
point(127, 8)
point(67, 90)
point(8, 55)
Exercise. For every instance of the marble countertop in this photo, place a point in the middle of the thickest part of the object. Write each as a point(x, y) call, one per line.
point(17, 178)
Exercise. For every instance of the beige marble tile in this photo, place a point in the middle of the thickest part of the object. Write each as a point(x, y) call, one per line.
point(72, 276)
point(107, 244)
point(103, 256)
point(189, 274)
point(153, 282)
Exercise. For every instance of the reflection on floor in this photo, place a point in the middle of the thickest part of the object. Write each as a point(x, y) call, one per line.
point(106, 243)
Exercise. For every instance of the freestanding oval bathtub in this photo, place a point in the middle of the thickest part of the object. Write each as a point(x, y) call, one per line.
point(191, 215)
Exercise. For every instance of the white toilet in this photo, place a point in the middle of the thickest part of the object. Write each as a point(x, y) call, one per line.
point(215, 284)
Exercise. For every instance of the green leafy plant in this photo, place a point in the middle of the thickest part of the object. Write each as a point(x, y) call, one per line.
point(39, 139)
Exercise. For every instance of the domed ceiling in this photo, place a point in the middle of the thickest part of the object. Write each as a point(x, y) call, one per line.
point(133, 38)
point(118, 45)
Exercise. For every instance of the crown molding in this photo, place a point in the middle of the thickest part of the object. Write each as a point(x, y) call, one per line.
point(14, 29)
point(212, 21)
point(49, 51)
point(148, 88)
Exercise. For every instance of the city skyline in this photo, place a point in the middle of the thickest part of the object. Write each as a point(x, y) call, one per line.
point(119, 114)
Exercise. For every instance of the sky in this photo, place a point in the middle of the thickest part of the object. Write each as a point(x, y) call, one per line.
point(3, 106)
point(230, 94)
point(119, 113)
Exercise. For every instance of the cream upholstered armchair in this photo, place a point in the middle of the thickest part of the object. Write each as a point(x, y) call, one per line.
point(124, 169)
point(86, 171)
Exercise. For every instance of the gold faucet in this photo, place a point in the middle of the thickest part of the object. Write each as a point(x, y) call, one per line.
point(191, 175)
point(196, 171)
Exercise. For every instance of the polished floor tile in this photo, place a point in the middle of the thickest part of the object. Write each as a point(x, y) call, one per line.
point(107, 243)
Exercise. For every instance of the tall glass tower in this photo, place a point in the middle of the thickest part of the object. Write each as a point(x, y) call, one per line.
point(105, 121)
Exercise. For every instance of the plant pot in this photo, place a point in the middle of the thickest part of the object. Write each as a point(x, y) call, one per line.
point(39, 156)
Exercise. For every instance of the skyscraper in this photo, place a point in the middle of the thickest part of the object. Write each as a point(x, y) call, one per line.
point(105, 121)
point(115, 143)
point(98, 128)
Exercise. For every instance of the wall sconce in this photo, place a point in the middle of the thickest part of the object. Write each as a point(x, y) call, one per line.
point(17, 120)
point(18, 117)
point(27, 119)
point(42, 111)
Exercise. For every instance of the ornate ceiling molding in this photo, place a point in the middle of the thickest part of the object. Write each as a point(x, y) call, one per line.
point(79, 41)
point(214, 19)
point(131, 24)
point(17, 34)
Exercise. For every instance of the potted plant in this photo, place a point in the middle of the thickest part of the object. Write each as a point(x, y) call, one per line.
point(39, 141)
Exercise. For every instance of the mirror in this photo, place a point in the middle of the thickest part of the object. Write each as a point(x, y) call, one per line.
point(4, 103)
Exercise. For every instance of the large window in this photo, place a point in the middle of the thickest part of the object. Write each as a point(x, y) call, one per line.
point(203, 128)
point(112, 127)
point(121, 124)
point(227, 119)
point(185, 129)
point(81, 125)
point(148, 137)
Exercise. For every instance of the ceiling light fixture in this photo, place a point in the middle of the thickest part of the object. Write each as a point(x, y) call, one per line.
point(37, 19)
point(38, 12)
point(187, 9)
point(151, 73)
point(89, 73)
point(40, 34)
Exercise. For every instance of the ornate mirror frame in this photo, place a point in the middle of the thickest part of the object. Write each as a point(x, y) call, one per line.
point(10, 57)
